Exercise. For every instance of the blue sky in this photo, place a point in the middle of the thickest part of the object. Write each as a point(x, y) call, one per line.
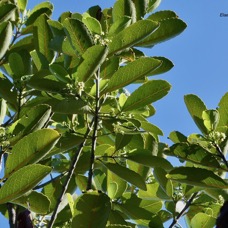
point(200, 55)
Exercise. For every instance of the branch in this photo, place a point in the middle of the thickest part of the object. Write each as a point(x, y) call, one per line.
point(221, 155)
point(12, 215)
point(94, 136)
point(69, 176)
point(187, 205)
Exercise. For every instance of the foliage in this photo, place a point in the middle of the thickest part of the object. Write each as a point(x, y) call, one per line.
point(65, 111)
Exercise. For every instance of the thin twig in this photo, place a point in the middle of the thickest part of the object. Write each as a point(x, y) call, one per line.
point(12, 215)
point(94, 136)
point(69, 176)
point(221, 155)
point(187, 205)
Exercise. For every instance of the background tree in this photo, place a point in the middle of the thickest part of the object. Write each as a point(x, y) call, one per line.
point(65, 113)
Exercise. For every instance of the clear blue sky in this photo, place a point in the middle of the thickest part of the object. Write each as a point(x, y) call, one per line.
point(200, 55)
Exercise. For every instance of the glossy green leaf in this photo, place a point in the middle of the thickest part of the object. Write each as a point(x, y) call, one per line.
point(203, 220)
point(116, 220)
point(223, 111)
point(163, 68)
point(39, 60)
point(7, 11)
point(7, 91)
point(123, 8)
point(42, 36)
point(210, 119)
point(93, 209)
point(177, 137)
point(153, 4)
point(22, 4)
point(56, 28)
point(25, 43)
point(131, 35)
point(166, 184)
point(31, 121)
point(115, 185)
point(38, 10)
point(6, 33)
point(194, 153)
point(197, 177)
point(141, 7)
point(162, 15)
point(131, 72)
point(151, 128)
point(146, 158)
point(109, 67)
point(196, 107)
point(22, 181)
point(119, 25)
point(31, 149)
point(149, 92)
point(92, 24)
point(127, 174)
point(35, 202)
point(168, 29)
point(78, 34)
point(71, 204)
point(89, 66)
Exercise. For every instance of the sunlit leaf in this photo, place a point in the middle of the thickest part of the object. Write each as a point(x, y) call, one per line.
point(22, 4)
point(131, 72)
point(7, 11)
point(197, 177)
point(31, 149)
point(223, 112)
point(35, 202)
point(149, 92)
point(127, 174)
point(177, 137)
point(196, 107)
point(92, 24)
point(203, 220)
point(93, 209)
point(210, 119)
point(22, 181)
point(162, 15)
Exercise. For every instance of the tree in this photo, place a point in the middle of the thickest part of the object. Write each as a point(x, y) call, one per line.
point(68, 120)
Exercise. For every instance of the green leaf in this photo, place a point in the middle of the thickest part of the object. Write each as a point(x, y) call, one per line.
point(203, 220)
point(193, 153)
point(60, 72)
point(90, 65)
point(149, 92)
point(92, 24)
point(35, 202)
point(146, 158)
point(22, 181)
point(42, 36)
point(122, 140)
point(131, 72)
point(210, 119)
point(78, 34)
point(25, 43)
point(115, 185)
point(153, 4)
point(16, 64)
point(223, 111)
point(127, 174)
point(38, 10)
point(162, 15)
point(7, 11)
point(6, 33)
point(168, 29)
point(116, 218)
point(39, 60)
point(140, 6)
point(31, 149)
point(196, 107)
point(132, 35)
point(165, 184)
point(31, 121)
point(93, 210)
point(119, 25)
point(45, 81)
point(123, 8)
point(197, 177)
point(177, 137)
point(22, 4)
point(109, 67)
point(7, 91)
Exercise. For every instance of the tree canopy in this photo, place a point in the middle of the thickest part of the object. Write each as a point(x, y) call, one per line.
point(78, 148)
